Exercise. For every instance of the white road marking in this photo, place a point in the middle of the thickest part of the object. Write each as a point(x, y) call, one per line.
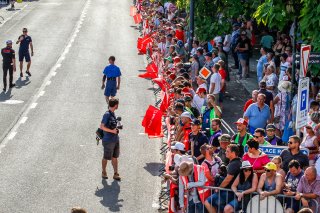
point(142, 133)
point(48, 83)
point(12, 102)
point(53, 73)
point(41, 93)
point(33, 102)
point(23, 120)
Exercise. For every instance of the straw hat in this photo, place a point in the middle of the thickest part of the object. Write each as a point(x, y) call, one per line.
point(185, 168)
point(284, 86)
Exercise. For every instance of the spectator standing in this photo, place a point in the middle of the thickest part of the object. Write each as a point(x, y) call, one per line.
point(217, 132)
point(311, 142)
point(266, 40)
point(215, 56)
point(195, 68)
point(257, 158)
point(224, 141)
point(188, 106)
point(271, 79)
point(209, 112)
point(258, 114)
point(259, 136)
point(291, 184)
point(241, 138)
point(215, 82)
point(293, 153)
point(245, 184)
point(195, 46)
point(278, 162)
point(254, 96)
point(242, 49)
point(201, 57)
point(223, 74)
point(211, 163)
point(271, 136)
point(261, 62)
point(309, 188)
point(197, 139)
point(282, 106)
point(233, 169)
point(270, 182)
point(234, 40)
point(284, 65)
point(199, 99)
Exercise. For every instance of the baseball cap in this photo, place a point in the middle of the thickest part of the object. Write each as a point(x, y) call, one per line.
point(176, 59)
point(169, 59)
point(225, 138)
point(241, 121)
point(200, 90)
point(9, 42)
point(271, 166)
point(186, 115)
point(270, 126)
point(178, 146)
point(195, 122)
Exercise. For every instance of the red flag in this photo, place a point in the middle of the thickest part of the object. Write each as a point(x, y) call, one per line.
point(137, 18)
point(151, 75)
point(152, 67)
point(165, 102)
point(133, 11)
point(142, 44)
point(162, 83)
point(152, 122)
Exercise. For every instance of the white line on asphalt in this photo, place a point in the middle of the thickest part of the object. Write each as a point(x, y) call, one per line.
point(23, 120)
point(11, 135)
point(10, 17)
point(48, 83)
point(41, 93)
point(142, 133)
point(52, 72)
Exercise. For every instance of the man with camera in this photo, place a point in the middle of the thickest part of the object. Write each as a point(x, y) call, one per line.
point(110, 140)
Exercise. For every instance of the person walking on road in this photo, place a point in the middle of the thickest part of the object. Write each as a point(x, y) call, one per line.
point(110, 140)
point(9, 64)
point(25, 41)
point(112, 73)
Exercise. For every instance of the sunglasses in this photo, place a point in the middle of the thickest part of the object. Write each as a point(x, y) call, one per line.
point(255, 136)
point(246, 170)
point(291, 142)
point(267, 170)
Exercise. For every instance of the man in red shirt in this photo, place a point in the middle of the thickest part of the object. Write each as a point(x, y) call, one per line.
point(223, 86)
point(252, 100)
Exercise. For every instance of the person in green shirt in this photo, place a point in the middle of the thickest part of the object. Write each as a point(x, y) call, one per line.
point(266, 40)
point(259, 135)
point(242, 136)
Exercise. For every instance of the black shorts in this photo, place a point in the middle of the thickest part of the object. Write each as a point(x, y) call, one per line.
point(111, 150)
point(25, 55)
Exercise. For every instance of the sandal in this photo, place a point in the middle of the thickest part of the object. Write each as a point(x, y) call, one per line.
point(116, 176)
point(104, 175)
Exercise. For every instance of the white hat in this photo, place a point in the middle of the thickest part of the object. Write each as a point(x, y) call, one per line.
point(246, 164)
point(284, 86)
point(186, 115)
point(178, 159)
point(178, 146)
point(9, 42)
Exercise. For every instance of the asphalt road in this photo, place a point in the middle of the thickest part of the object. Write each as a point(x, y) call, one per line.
point(49, 161)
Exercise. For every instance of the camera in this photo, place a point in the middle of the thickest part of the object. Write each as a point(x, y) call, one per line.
point(119, 125)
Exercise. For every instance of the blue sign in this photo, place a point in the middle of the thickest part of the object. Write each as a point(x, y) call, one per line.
point(303, 104)
point(275, 150)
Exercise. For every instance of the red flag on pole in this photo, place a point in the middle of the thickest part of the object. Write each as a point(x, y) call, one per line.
point(137, 18)
point(133, 11)
point(162, 83)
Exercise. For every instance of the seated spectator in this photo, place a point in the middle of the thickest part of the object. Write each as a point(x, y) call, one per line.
point(259, 136)
point(271, 136)
point(291, 184)
point(270, 182)
point(309, 188)
point(221, 198)
point(311, 142)
point(196, 140)
point(293, 153)
point(190, 177)
point(257, 158)
point(278, 162)
point(254, 96)
point(211, 163)
point(245, 184)
point(242, 136)
point(258, 114)
point(224, 143)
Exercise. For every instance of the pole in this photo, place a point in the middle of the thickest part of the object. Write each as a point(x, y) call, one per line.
point(191, 26)
point(294, 56)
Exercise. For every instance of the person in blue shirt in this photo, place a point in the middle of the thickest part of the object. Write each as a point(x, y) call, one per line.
point(260, 65)
point(258, 114)
point(112, 73)
point(25, 41)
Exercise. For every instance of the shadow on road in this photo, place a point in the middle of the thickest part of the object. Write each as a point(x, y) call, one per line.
point(21, 83)
point(5, 95)
point(110, 195)
point(153, 168)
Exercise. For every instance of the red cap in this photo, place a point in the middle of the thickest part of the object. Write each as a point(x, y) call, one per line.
point(201, 89)
point(185, 90)
point(188, 94)
point(172, 76)
point(241, 121)
point(176, 59)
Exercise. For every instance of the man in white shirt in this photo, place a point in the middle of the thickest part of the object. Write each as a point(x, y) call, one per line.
point(215, 82)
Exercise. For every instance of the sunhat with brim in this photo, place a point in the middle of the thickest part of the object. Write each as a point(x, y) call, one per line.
point(245, 164)
point(271, 166)
point(185, 168)
point(284, 86)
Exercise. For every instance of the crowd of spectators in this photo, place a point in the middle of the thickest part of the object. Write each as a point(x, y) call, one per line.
point(200, 152)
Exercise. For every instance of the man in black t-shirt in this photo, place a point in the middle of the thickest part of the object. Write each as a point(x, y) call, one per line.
point(197, 139)
point(9, 64)
point(25, 41)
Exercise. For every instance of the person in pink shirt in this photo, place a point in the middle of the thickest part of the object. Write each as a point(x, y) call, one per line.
point(257, 158)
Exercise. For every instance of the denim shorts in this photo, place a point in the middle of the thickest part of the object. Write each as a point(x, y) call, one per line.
point(243, 56)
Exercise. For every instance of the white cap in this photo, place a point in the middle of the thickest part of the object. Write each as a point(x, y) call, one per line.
point(178, 146)
point(186, 115)
point(9, 42)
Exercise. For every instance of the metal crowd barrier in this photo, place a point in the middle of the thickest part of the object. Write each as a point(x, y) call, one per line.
point(251, 203)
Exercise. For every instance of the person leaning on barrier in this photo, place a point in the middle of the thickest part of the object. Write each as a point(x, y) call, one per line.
point(110, 140)
point(309, 188)
point(270, 182)
point(211, 163)
point(278, 161)
point(293, 153)
point(291, 183)
point(191, 176)
point(245, 184)
point(221, 198)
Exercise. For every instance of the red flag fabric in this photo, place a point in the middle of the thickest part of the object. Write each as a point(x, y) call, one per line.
point(142, 44)
point(152, 122)
point(152, 67)
point(137, 18)
point(165, 103)
point(151, 75)
point(162, 83)
point(133, 11)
